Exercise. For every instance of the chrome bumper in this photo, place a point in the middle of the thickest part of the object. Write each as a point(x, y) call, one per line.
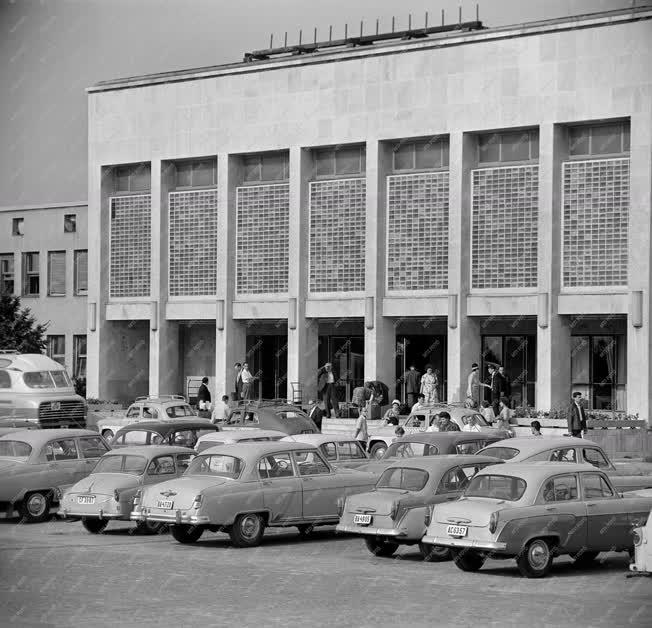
point(446, 541)
point(100, 514)
point(177, 516)
point(370, 530)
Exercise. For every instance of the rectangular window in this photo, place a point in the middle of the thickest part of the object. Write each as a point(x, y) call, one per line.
point(56, 273)
point(31, 286)
point(7, 273)
point(520, 146)
point(339, 162)
point(57, 349)
point(599, 140)
point(81, 272)
point(18, 226)
point(70, 223)
point(196, 174)
point(421, 155)
point(79, 357)
point(266, 167)
point(132, 178)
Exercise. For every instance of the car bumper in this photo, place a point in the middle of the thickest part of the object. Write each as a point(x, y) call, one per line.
point(99, 514)
point(176, 516)
point(489, 546)
point(371, 531)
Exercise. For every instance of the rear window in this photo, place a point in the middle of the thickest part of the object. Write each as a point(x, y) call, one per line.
point(504, 453)
point(121, 464)
point(505, 487)
point(179, 411)
point(218, 464)
point(403, 478)
point(15, 449)
point(207, 444)
point(47, 379)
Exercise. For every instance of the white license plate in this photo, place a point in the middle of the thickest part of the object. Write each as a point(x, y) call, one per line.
point(86, 499)
point(165, 504)
point(456, 530)
point(362, 520)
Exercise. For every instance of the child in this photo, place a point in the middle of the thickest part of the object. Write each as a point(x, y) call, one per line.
point(487, 412)
point(535, 427)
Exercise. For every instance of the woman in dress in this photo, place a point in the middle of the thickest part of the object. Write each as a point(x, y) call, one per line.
point(429, 386)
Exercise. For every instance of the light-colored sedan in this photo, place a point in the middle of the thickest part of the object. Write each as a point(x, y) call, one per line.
point(244, 488)
point(533, 512)
point(35, 465)
point(251, 435)
point(394, 512)
point(108, 492)
point(339, 449)
point(642, 563)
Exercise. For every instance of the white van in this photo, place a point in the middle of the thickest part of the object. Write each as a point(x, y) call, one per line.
point(36, 391)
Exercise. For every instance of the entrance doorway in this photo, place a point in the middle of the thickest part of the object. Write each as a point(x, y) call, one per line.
point(267, 358)
point(421, 351)
point(347, 355)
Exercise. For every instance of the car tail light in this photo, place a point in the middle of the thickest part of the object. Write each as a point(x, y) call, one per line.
point(116, 495)
point(137, 497)
point(493, 522)
point(197, 502)
point(428, 517)
point(638, 539)
point(397, 511)
point(340, 506)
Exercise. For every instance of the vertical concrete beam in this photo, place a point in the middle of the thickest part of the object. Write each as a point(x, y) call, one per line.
point(230, 335)
point(639, 341)
point(379, 331)
point(463, 331)
point(302, 362)
point(553, 331)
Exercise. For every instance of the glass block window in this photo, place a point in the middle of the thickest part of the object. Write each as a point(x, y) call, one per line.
point(131, 234)
point(504, 234)
point(417, 231)
point(337, 235)
point(193, 243)
point(263, 222)
point(596, 216)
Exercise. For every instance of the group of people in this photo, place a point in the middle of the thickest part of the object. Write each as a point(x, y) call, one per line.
point(243, 388)
point(426, 385)
point(498, 384)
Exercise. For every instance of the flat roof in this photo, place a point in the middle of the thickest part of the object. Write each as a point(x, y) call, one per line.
point(590, 20)
point(22, 208)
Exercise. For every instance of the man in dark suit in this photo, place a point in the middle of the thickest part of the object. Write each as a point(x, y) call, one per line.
point(204, 399)
point(237, 381)
point(316, 413)
point(326, 379)
point(496, 385)
point(412, 385)
point(576, 416)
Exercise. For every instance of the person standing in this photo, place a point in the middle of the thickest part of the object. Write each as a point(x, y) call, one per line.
point(576, 416)
point(204, 399)
point(247, 382)
point(507, 383)
point(495, 385)
point(237, 381)
point(429, 386)
point(412, 385)
point(316, 413)
point(473, 386)
point(361, 433)
point(326, 387)
point(221, 411)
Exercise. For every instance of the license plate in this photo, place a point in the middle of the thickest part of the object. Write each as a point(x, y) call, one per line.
point(362, 520)
point(86, 499)
point(165, 504)
point(456, 530)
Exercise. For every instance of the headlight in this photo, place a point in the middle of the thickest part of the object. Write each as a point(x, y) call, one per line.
point(197, 502)
point(636, 535)
point(493, 522)
point(116, 495)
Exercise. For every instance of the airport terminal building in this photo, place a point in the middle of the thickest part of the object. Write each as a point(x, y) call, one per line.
point(474, 195)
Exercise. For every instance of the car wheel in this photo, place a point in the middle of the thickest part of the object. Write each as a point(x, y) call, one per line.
point(94, 525)
point(434, 553)
point(536, 559)
point(151, 527)
point(36, 506)
point(583, 559)
point(468, 560)
point(186, 533)
point(108, 434)
point(377, 450)
point(247, 530)
point(378, 547)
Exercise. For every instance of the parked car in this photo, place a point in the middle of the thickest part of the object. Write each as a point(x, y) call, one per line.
point(270, 415)
point(182, 432)
point(36, 464)
point(108, 492)
point(393, 513)
point(431, 444)
point(156, 408)
point(534, 511)
point(244, 488)
point(213, 439)
point(35, 389)
point(642, 563)
point(339, 449)
point(380, 437)
point(569, 449)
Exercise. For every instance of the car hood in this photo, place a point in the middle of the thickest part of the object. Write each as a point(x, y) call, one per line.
point(474, 511)
point(105, 483)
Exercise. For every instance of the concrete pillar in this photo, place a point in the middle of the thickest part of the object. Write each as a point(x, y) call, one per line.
point(379, 332)
point(302, 362)
point(463, 331)
point(553, 331)
point(230, 335)
point(639, 341)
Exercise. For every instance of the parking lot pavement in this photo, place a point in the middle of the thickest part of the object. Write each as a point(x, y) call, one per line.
point(56, 574)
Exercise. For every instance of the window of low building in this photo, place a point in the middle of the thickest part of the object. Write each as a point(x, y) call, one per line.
point(79, 356)
point(340, 161)
point(70, 223)
point(132, 178)
point(56, 348)
point(56, 273)
point(508, 146)
point(7, 273)
point(31, 274)
point(81, 272)
point(266, 167)
point(18, 226)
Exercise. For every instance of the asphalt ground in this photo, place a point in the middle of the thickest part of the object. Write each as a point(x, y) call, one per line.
point(57, 574)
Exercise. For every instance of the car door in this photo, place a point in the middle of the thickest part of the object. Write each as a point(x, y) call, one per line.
point(607, 515)
point(281, 488)
point(91, 448)
point(320, 487)
point(63, 462)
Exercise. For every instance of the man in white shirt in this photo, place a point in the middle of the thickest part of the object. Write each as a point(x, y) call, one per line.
point(471, 425)
point(473, 386)
point(247, 382)
point(420, 404)
point(221, 410)
point(361, 434)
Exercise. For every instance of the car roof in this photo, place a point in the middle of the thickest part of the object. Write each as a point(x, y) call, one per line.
point(318, 439)
point(35, 438)
point(160, 400)
point(148, 451)
point(255, 450)
point(536, 444)
point(31, 362)
point(429, 463)
point(438, 437)
point(441, 407)
point(236, 435)
point(537, 471)
point(163, 427)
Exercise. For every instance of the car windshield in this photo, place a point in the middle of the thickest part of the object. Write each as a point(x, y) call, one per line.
point(14, 449)
point(505, 487)
point(121, 464)
point(409, 450)
point(504, 453)
point(225, 466)
point(403, 478)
